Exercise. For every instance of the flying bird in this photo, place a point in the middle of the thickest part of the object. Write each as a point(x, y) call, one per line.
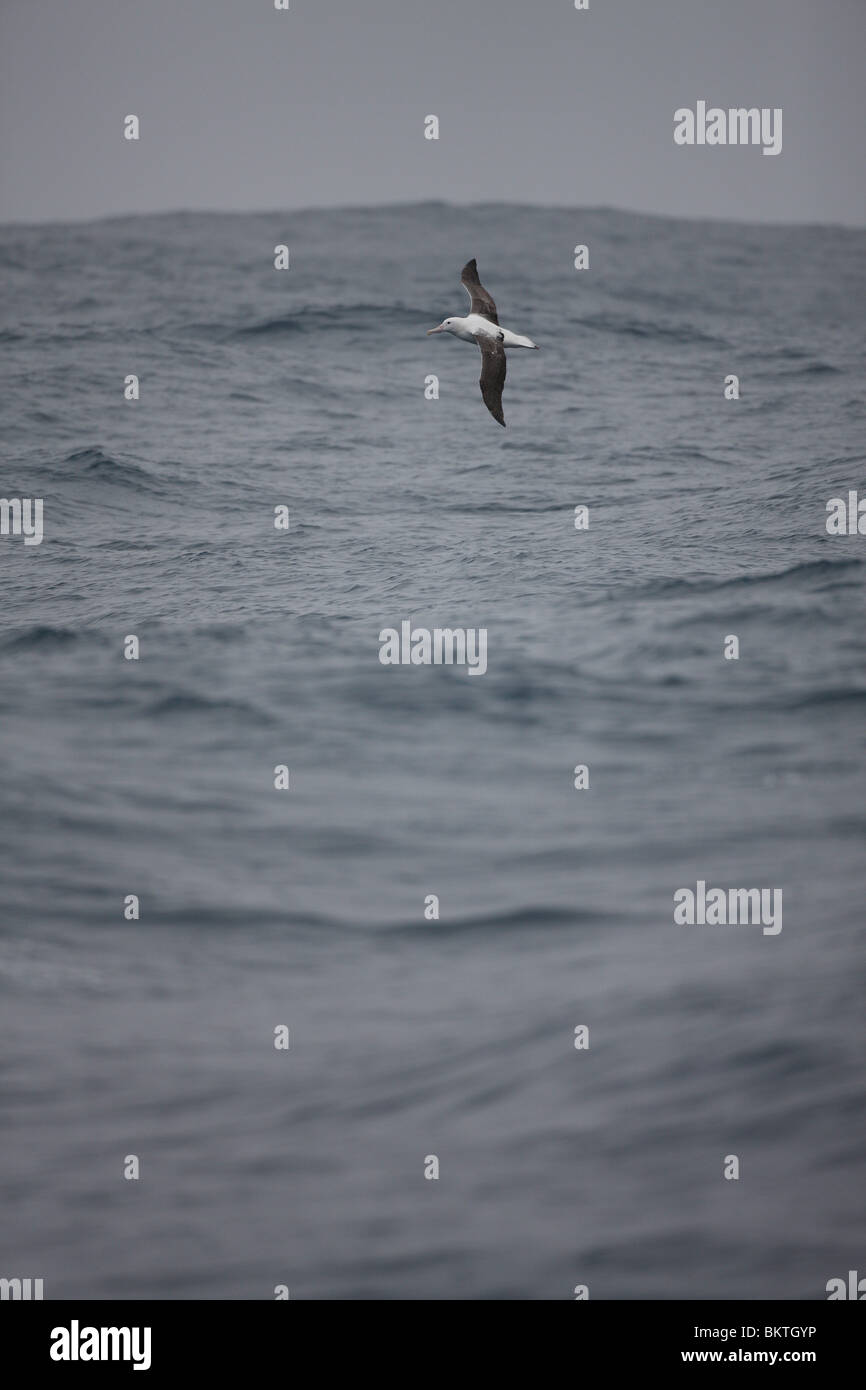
point(481, 326)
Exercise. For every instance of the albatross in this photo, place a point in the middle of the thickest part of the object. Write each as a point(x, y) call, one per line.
point(481, 326)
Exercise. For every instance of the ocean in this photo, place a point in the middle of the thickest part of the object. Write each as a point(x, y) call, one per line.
point(414, 1037)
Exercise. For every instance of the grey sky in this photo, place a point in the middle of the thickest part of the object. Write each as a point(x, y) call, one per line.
point(245, 108)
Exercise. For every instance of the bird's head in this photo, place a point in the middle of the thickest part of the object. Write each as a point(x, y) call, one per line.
point(446, 326)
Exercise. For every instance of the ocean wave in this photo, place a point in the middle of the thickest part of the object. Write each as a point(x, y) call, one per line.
point(341, 316)
point(94, 463)
point(490, 506)
point(534, 916)
point(832, 695)
point(812, 569)
point(650, 328)
point(39, 637)
point(187, 702)
point(811, 369)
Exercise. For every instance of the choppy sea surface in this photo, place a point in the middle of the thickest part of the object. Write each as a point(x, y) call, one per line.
point(414, 1037)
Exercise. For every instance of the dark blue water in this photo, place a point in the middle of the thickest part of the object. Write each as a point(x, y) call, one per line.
point(412, 1037)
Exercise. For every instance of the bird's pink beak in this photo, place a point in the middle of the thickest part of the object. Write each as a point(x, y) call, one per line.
point(440, 329)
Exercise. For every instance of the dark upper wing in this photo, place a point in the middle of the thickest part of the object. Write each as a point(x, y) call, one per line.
point(492, 377)
point(481, 303)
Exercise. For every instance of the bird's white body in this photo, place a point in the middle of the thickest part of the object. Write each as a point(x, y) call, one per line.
point(474, 326)
point(481, 326)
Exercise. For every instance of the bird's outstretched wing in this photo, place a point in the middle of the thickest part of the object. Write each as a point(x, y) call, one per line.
point(492, 377)
point(480, 301)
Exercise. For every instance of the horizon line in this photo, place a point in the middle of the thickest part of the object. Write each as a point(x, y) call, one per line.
point(421, 203)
